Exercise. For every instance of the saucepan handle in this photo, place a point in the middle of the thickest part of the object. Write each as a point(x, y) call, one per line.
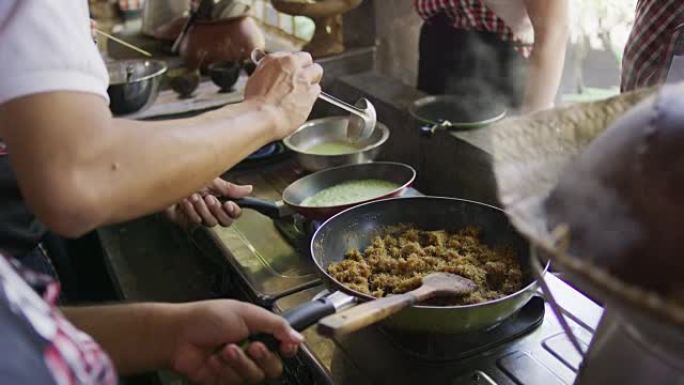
point(428, 130)
point(269, 208)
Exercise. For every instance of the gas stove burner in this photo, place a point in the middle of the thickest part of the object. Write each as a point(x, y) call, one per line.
point(264, 151)
point(378, 355)
point(439, 347)
point(266, 155)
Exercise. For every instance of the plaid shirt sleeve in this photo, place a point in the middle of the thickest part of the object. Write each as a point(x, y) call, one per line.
point(70, 356)
point(130, 5)
point(658, 26)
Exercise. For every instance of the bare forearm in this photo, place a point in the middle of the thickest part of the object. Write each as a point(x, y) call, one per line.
point(183, 156)
point(550, 22)
point(78, 168)
point(543, 78)
point(137, 337)
point(108, 170)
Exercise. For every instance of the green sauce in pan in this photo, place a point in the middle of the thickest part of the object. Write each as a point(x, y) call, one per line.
point(332, 148)
point(349, 192)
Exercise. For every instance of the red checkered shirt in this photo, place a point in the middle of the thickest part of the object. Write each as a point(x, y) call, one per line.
point(658, 30)
point(71, 357)
point(472, 15)
point(130, 5)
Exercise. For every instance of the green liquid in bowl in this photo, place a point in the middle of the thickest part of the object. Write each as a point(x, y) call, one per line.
point(349, 192)
point(332, 148)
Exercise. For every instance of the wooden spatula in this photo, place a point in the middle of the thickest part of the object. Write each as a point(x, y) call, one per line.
point(434, 285)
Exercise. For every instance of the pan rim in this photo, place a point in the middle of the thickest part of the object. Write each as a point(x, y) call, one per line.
point(454, 126)
point(345, 206)
point(341, 287)
point(385, 133)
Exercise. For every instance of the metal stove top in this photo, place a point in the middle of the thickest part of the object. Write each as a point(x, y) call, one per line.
point(268, 265)
point(263, 267)
point(530, 352)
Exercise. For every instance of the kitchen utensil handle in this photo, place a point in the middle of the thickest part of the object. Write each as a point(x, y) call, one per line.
point(365, 314)
point(268, 208)
point(259, 54)
point(123, 43)
point(428, 130)
point(299, 318)
point(194, 13)
point(340, 103)
point(307, 314)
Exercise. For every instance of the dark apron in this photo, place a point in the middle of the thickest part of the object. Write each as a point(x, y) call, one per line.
point(463, 62)
point(20, 230)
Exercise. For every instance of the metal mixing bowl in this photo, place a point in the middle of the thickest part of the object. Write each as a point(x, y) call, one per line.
point(333, 129)
point(133, 84)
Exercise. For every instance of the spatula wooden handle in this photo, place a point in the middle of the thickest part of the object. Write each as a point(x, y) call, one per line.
point(353, 319)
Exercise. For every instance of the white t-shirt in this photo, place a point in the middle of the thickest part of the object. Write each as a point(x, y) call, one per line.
point(45, 45)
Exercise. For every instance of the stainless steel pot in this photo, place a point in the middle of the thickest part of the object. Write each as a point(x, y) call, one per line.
point(333, 129)
point(133, 84)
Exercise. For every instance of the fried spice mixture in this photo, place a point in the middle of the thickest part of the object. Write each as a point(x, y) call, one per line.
point(395, 263)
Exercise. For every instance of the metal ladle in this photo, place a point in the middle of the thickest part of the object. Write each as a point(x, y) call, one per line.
point(362, 119)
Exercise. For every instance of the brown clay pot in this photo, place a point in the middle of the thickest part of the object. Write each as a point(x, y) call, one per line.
point(216, 40)
point(327, 14)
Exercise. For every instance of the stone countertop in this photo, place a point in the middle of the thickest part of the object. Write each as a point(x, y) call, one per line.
point(168, 105)
point(207, 96)
point(150, 259)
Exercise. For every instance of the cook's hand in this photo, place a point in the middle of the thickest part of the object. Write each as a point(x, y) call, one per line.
point(206, 350)
point(288, 82)
point(204, 207)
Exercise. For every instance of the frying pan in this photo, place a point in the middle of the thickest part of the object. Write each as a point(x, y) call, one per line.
point(455, 113)
point(398, 173)
point(356, 227)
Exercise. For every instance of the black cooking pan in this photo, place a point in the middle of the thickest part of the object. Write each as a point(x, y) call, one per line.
point(398, 173)
point(455, 112)
point(356, 227)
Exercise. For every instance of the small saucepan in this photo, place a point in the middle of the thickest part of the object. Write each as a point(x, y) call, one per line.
point(455, 113)
point(399, 174)
point(306, 143)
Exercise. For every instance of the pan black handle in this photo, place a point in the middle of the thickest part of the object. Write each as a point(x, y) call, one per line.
point(269, 208)
point(307, 314)
point(300, 318)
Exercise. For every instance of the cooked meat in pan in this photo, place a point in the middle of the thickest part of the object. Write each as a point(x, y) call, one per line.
point(396, 261)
